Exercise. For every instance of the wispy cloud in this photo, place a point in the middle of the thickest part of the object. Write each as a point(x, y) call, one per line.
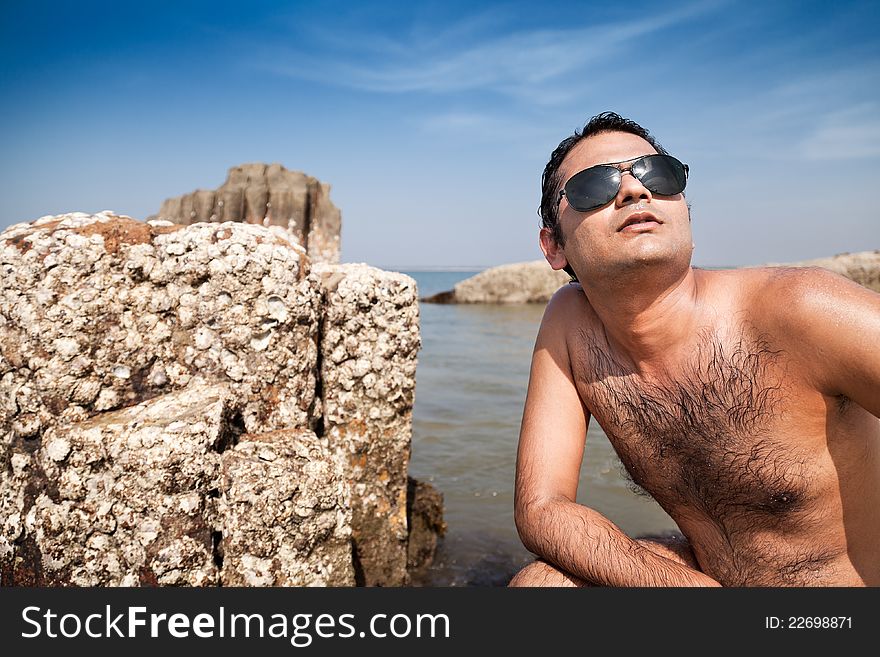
point(830, 111)
point(827, 114)
point(459, 60)
point(483, 126)
point(846, 134)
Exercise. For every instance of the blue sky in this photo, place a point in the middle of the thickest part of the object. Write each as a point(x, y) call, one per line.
point(433, 121)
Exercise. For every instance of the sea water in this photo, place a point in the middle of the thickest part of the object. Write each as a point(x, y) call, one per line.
point(471, 382)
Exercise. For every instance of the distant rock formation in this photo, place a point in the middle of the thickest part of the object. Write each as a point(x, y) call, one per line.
point(267, 195)
point(198, 405)
point(862, 267)
point(522, 282)
point(535, 281)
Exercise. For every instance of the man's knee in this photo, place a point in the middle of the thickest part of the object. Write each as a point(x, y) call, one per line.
point(541, 573)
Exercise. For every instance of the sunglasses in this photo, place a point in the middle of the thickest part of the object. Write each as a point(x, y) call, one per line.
point(594, 187)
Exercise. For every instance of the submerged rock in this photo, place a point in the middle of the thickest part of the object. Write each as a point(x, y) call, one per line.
point(426, 525)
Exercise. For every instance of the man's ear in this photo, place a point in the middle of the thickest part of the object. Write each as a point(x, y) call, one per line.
point(552, 251)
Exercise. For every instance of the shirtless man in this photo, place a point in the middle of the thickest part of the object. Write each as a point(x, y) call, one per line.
point(745, 402)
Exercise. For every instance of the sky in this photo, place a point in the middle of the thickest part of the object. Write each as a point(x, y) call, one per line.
point(432, 121)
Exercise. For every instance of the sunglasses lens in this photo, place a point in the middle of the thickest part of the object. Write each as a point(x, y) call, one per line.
point(662, 174)
point(592, 188)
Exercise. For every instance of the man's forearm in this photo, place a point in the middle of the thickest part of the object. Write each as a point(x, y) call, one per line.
point(586, 544)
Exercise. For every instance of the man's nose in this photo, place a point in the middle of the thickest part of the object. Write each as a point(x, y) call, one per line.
point(631, 190)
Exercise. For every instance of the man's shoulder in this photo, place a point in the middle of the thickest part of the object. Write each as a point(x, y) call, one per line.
point(567, 310)
point(796, 300)
point(568, 303)
point(764, 275)
point(787, 289)
point(772, 287)
point(568, 293)
point(827, 323)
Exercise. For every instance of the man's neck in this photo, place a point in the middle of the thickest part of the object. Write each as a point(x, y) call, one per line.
point(648, 315)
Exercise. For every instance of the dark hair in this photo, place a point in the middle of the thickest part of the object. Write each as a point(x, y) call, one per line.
point(551, 180)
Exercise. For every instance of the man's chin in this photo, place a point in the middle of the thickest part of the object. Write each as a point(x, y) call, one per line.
point(653, 255)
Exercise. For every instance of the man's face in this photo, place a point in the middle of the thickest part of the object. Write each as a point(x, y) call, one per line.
point(635, 229)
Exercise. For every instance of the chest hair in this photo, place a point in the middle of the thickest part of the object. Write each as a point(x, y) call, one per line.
point(701, 436)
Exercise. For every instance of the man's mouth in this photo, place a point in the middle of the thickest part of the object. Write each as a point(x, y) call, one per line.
point(639, 221)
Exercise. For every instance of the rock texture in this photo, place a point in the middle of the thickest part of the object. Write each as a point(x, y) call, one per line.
point(100, 312)
point(267, 195)
point(120, 499)
point(426, 525)
point(150, 495)
point(115, 337)
point(863, 267)
point(285, 512)
point(368, 367)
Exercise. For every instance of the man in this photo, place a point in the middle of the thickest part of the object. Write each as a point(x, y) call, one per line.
point(745, 402)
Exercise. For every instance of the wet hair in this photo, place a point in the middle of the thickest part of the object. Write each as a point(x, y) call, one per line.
point(551, 180)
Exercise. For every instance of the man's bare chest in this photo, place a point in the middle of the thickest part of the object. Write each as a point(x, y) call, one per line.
point(708, 434)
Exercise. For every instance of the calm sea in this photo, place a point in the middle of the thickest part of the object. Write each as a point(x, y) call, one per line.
point(471, 383)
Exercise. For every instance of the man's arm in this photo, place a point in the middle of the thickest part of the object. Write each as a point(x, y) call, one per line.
point(551, 524)
point(836, 324)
